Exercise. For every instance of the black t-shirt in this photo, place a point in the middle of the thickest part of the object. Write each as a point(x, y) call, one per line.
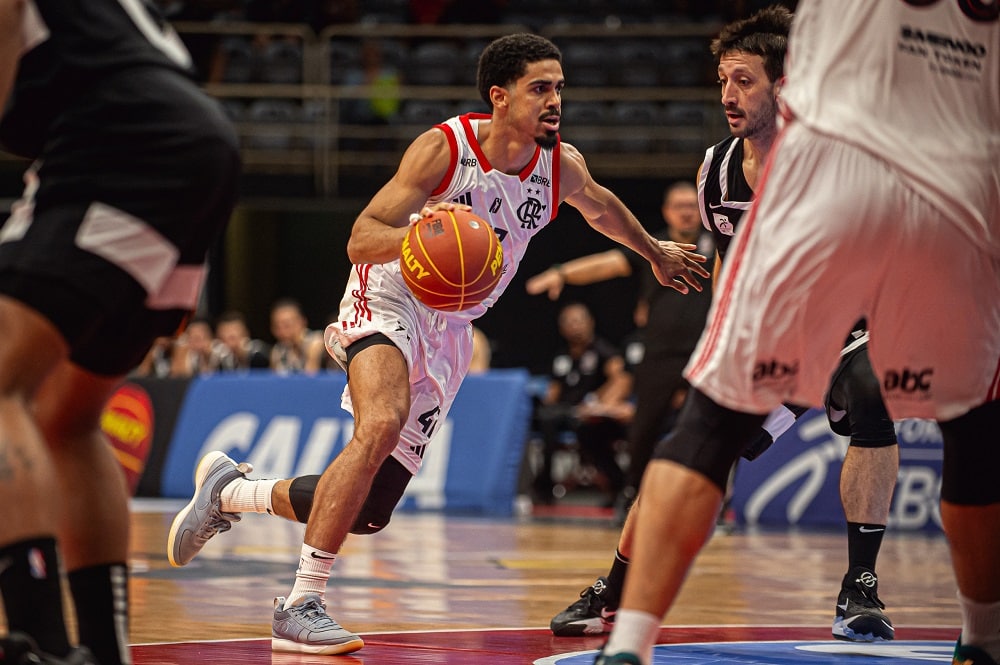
point(675, 320)
point(578, 377)
point(75, 45)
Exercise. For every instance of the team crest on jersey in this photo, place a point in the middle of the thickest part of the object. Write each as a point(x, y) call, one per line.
point(529, 213)
point(722, 223)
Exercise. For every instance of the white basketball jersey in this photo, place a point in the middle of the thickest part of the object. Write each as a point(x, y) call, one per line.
point(917, 82)
point(516, 206)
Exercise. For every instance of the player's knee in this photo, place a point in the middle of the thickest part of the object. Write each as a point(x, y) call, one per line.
point(708, 438)
point(300, 494)
point(374, 516)
point(971, 457)
point(380, 433)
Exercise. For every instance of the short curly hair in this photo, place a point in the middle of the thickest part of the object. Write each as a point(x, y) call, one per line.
point(764, 34)
point(506, 58)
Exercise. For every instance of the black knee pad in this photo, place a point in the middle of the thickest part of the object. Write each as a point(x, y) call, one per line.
point(387, 489)
point(854, 404)
point(972, 457)
point(300, 495)
point(708, 438)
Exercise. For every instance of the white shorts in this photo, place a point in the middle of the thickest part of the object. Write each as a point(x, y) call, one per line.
point(437, 348)
point(836, 235)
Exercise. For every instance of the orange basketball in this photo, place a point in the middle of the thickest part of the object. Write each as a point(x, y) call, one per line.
point(451, 260)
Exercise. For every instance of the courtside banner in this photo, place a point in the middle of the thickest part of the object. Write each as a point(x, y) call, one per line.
point(290, 425)
point(796, 481)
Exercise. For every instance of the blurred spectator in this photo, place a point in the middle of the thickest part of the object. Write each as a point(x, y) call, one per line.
point(669, 323)
point(194, 352)
point(384, 78)
point(296, 347)
point(239, 350)
point(588, 396)
point(482, 352)
point(157, 361)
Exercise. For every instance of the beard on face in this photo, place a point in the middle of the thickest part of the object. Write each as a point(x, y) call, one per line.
point(761, 120)
point(548, 140)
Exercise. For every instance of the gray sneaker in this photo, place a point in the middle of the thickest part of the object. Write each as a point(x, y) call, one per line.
point(307, 628)
point(202, 518)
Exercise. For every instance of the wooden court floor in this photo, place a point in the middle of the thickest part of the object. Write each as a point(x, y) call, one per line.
point(446, 589)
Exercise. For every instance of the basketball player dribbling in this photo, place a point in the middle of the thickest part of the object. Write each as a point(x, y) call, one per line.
point(881, 200)
point(405, 362)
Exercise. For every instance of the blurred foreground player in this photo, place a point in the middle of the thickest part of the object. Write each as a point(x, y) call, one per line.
point(881, 200)
point(133, 180)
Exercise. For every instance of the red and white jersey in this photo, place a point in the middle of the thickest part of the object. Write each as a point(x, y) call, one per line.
point(943, 64)
point(516, 206)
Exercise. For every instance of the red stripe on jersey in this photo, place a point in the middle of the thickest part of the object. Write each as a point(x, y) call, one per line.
point(555, 179)
point(452, 163)
point(360, 295)
point(725, 298)
point(473, 140)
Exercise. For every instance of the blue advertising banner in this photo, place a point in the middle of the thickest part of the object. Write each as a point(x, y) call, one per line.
point(797, 480)
point(291, 425)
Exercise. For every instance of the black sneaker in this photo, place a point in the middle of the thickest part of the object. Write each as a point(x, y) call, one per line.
point(970, 655)
point(593, 614)
point(20, 649)
point(859, 611)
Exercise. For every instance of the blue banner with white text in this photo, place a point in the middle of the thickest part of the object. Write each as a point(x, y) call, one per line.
point(797, 480)
point(291, 425)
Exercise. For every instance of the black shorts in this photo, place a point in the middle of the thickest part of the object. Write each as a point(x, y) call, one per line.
point(854, 404)
point(136, 182)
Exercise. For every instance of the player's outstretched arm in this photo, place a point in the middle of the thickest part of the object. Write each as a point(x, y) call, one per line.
point(584, 270)
point(676, 265)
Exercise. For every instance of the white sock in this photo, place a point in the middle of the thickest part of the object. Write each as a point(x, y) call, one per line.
point(312, 575)
point(247, 496)
point(981, 625)
point(634, 632)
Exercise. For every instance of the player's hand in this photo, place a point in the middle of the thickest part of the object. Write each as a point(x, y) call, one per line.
point(427, 211)
point(550, 281)
point(678, 264)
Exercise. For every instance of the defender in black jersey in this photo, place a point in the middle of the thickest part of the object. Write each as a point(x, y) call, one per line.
point(133, 179)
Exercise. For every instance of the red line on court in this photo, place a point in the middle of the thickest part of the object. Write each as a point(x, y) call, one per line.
point(476, 647)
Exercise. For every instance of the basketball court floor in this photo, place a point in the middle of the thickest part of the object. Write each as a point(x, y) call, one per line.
point(451, 590)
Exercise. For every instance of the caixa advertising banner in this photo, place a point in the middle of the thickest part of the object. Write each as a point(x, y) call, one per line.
point(797, 480)
point(292, 425)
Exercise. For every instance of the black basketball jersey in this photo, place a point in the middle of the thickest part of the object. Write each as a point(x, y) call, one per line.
point(723, 192)
point(70, 45)
point(724, 195)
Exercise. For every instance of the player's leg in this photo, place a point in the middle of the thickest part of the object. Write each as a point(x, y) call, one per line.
point(378, 379)
point(970, 513)
point(855, 408)
point(29, 576)
point(690, 468)
point(594, 612)
point(94, 517)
